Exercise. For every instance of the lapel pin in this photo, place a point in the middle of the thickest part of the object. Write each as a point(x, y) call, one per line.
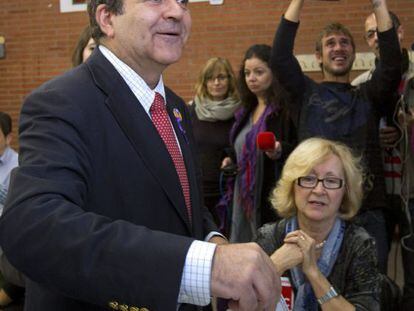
point(179, 119)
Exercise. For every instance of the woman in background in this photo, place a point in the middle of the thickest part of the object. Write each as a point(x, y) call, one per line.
point(212, 113)
point(264, 108)
point(330, 262)
point(84, 47)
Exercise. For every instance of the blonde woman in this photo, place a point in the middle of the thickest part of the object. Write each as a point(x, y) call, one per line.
point(212, 114)
point(329, 261)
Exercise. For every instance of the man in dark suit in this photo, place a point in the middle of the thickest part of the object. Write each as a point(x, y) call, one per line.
point(100, 212)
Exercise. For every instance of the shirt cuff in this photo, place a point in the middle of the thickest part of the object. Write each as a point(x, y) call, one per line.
point(195, 280)
point(214, 233)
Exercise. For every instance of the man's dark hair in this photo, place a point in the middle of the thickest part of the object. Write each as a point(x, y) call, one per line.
point(114, 6)
point(5, 123)
point(330, 29)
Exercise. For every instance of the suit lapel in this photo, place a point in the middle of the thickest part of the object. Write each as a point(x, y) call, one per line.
point(140, 130)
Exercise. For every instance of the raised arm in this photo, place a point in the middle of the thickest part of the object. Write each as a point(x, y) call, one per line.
point(380, 9)
point(293, 11)
point(283, 62)
point(387, 74)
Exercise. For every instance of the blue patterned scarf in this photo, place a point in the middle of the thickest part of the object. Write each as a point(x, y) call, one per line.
point(305, 297)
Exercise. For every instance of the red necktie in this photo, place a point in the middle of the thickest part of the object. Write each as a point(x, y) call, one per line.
point(162, 122)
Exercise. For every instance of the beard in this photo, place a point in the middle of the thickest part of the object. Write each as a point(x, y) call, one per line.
point(339, 72)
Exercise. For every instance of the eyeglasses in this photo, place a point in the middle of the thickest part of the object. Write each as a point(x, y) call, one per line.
point(219, 77)
point(371, 33)
point(327, 182)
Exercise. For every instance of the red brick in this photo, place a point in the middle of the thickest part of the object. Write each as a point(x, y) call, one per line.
point(40, 39)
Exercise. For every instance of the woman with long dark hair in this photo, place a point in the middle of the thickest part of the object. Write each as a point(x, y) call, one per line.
point(264, 108)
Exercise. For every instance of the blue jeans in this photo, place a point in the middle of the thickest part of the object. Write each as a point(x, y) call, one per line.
point(374, 222)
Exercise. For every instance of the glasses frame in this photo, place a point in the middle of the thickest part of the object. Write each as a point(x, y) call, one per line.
point(220, 78)
point(322, 180)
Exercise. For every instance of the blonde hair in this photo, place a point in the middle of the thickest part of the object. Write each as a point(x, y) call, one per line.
point(302, 160)
point(213, 66)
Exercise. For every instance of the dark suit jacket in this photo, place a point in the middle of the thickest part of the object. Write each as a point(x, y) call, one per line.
point(95, 211)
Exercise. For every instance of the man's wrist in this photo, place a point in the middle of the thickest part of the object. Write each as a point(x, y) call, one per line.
point(213, 234)
point(196, 277)
point(217, 239)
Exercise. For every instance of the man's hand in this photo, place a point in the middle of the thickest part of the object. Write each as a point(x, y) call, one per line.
point(389, 136)
point(244, 274)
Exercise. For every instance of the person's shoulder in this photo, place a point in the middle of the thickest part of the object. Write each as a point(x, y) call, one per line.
point(309, 81)
point(268, 229)
point(71, 82)
point(356, 235)
point(270, 235)
point(73, 96)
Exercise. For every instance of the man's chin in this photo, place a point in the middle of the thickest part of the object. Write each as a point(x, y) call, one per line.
point(339, 72)
point(169, 58)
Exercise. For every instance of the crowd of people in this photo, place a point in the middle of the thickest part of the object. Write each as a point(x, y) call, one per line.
point(149, 203)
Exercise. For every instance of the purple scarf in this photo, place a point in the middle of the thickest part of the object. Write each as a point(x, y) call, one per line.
point(247, 160)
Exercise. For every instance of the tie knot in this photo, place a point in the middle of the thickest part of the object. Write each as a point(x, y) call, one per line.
point(158, 103)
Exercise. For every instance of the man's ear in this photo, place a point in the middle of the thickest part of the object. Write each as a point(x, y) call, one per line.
point(104, 19)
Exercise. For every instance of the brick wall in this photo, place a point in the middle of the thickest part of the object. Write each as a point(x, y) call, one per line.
point(40, 39)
